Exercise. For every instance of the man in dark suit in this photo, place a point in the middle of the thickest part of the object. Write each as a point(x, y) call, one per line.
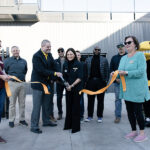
point(44, 70)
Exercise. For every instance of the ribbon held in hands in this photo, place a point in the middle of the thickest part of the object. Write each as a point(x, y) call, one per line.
point(8, 91)
point(105, 88)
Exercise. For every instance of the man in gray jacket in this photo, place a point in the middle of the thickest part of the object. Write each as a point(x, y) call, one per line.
point(98, 76)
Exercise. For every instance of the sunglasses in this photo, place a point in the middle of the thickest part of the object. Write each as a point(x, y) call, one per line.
point(129, 42)
point(97, 49)
point(120, 46)
point(60, 51)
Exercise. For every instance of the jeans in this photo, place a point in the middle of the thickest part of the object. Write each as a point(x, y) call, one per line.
point(2, 100)
point(82, 106)
point(118, 102)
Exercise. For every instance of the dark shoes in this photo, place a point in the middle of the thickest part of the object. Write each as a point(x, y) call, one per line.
point(11, 124)
point(59, 117)
point(52, 118)
point(117, 120)
point(24, 123)
point(51, 124)
point(2, 140)
point(38, 131)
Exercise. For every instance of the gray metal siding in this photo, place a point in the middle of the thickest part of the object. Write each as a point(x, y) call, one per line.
point(81, 36)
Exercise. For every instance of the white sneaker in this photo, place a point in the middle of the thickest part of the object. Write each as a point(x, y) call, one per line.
point(148, 119)
point(99, 120)
point(88, 119)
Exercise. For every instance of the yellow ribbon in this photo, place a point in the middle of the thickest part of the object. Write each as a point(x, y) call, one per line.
point(8, 91)
point(105, 88)
point(148, 82)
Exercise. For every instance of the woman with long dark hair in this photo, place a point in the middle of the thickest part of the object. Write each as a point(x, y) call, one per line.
point(72, 73)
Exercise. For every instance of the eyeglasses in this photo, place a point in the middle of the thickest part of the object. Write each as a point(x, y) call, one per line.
point(129, 42)
point(60, 51)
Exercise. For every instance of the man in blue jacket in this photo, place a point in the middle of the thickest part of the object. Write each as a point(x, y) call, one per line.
point(114, 64)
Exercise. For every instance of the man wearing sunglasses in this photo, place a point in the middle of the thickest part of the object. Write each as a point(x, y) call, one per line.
point(98, 76)
point(113, 67)
point(59, 86)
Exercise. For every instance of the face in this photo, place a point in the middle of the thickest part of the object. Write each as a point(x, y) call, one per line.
point(15, 52)
point(70, 55)
point(46, 48)
point(61, 53)
point(121, 50)
point(129, 45)
point(78, 55)
point(97, 51)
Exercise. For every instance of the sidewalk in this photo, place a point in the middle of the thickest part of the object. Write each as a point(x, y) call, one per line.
point(93, 135)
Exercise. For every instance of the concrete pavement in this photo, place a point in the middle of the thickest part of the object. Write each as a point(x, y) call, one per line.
point(93, 135)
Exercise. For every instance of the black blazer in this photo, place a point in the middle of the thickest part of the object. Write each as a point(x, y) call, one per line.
point(43, 70)
point(75, 72)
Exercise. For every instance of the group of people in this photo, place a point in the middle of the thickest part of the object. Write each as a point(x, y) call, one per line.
point(72, 74)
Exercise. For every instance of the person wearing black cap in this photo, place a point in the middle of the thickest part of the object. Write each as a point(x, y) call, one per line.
point(98, 76)
point(113, 67)
point(59, 86)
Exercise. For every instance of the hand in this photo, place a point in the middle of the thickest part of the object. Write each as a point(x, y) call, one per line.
point(69, 88)
point(5, 77)
point(118, 80)
point(58, 74)
point(1, 62)
point(112, 73)
point(122, 73)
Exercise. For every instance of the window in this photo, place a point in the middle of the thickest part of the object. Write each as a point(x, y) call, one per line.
point(75, 5)
point(122, 6)
point(142, 5)
point(52, 5)
point(99, 5)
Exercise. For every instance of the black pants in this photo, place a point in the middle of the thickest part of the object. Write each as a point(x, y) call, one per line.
point(72, 120)
point(59, 89)
point(134, 111)
point(94, 85)
point(146, 106)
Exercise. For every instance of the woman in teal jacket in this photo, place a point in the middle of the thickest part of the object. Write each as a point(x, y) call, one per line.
point(133, 67)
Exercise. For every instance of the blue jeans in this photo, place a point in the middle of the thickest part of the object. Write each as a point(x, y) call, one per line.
point(82, 106)
point(118, 102)
point(2, 100)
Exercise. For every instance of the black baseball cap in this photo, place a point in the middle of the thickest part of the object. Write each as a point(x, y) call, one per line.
point(120, 45)
point(60, 49)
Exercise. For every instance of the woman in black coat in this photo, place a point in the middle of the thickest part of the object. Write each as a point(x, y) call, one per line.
point(72, 73)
